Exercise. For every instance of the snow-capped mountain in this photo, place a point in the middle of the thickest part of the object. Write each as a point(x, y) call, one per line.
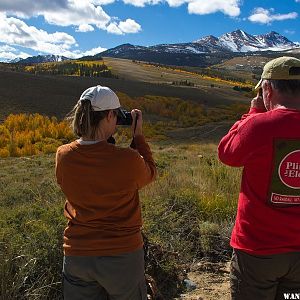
point(43, 59)
point(241, 41)
point(206, 46)
point(236, 41)
point(206, 50)
point(276, 42)
point(13, 61)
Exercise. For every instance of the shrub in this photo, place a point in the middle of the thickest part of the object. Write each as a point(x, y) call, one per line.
point(26, 135)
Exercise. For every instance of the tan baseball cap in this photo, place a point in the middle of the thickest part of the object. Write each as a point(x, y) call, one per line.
point(281, 68)
point(101, 97)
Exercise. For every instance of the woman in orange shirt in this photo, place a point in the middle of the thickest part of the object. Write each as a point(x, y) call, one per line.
point(103, 244)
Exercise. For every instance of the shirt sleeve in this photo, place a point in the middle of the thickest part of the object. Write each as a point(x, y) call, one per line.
point(144, 166)
point(237, 145)
point(57, 167)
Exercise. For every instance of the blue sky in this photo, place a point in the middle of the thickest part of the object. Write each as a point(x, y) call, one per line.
point(74, 28)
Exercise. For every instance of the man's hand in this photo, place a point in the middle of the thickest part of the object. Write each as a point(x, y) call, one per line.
point(137, 130)
point(258, 102)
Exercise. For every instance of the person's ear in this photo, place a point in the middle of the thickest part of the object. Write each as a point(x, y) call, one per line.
point(269, 89)
point(267, 94)
point(110, 115)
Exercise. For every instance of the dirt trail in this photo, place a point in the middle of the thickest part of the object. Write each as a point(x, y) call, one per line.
point(212, 282)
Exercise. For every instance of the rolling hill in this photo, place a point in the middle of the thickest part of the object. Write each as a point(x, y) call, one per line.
point(56, 95)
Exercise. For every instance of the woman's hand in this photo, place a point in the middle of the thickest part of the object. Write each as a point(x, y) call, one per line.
point(137, 125)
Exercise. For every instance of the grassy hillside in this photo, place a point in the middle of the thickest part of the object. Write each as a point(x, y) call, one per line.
point(55, 95)
point(166, 75)
point(158, 73)
point(188, 214)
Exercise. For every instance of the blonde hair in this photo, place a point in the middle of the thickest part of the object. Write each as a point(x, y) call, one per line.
point(84, 120)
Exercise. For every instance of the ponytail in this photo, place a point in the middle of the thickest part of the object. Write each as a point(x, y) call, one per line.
point(84, 120)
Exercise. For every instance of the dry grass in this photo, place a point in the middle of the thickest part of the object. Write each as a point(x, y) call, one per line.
point(188, 213)
point(143, 72)
point(56, 95)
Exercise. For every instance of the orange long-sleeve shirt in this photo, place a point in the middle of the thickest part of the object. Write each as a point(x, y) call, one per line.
point(101, 183)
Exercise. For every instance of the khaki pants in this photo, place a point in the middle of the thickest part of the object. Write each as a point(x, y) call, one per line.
point(118, 277)
point(267, 277)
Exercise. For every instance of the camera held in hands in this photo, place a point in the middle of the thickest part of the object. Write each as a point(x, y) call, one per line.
point(124, 117)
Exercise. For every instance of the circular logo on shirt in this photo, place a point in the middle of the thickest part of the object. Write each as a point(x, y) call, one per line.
point(289, 170)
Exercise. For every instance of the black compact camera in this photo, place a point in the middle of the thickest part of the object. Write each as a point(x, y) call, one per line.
point(124, 117)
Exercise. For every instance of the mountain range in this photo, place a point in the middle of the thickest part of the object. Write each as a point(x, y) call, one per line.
point(240, 41)
point(40, 59)
point(237, 42)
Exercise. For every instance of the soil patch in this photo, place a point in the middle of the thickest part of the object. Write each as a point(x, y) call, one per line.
point(211, 280)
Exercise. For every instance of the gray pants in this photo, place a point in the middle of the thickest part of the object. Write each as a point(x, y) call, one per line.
point(119, 277)
point(266, 277)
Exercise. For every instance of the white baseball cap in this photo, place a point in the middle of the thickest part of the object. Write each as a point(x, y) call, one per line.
point(101, 97)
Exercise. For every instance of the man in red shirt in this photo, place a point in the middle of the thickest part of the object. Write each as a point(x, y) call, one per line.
point(266, 143)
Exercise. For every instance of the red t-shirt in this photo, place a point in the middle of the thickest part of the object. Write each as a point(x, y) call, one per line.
point(267, 145)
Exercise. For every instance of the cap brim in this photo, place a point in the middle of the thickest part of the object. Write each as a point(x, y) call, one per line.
point(258, 84)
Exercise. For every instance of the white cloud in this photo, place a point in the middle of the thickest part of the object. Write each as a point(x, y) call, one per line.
point(7, 48)
point(228, 7)
point(265, 16)
point(292, 15)
point(8, 53)
point(7, 56)
point(85, 28)
point(113, 28)
point(102, 2)
point(129, 26)
point(200, 7)
point(16, 32)
point(59, 12)
point(92, 51)
point(78, 12)
point(142, 3)
point(290, 31)
point(78, 53)
point(176, 3)
point(27, 8)
point(84, 14)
